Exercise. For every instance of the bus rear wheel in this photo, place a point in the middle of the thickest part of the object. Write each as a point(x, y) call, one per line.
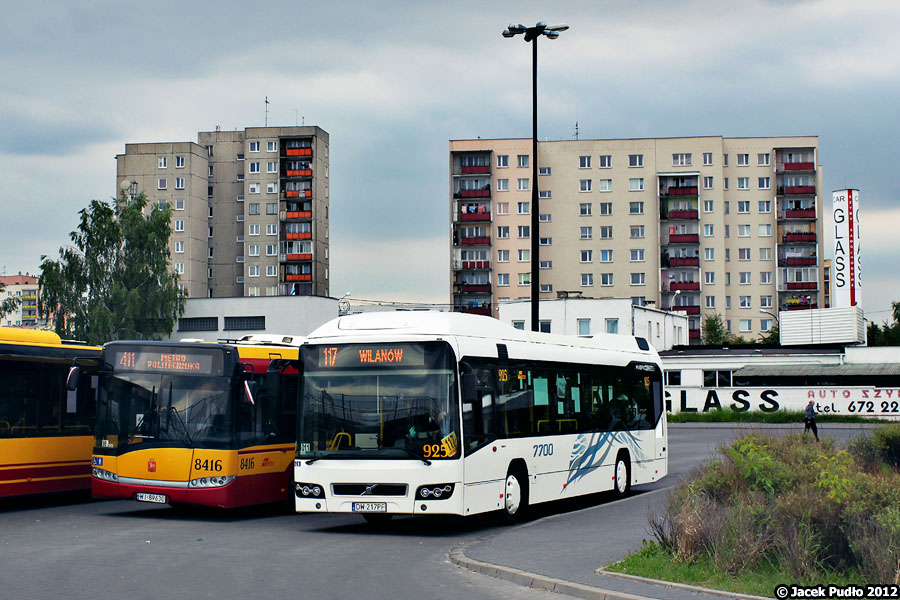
point(515, 497)
point(622, 476)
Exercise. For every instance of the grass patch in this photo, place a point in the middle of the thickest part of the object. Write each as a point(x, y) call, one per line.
point(758, 416)
point(770, 510)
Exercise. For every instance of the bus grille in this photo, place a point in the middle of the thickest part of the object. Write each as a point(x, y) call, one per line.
point(375, 489)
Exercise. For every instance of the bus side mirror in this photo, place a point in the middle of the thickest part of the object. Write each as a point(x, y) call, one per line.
point(248, 393)
point(469, 388)
point(72, 378)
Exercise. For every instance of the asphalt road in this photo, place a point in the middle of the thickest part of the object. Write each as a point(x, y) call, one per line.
point(122, 549)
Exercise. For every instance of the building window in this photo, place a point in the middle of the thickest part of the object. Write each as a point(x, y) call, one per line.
point(254, 146)
point(253, 250)
point(708, 206)
point(179, 162)
point(743, 183)
point(606, 208)
point(764, 183)
point(638, 300)
point(272, 229)
point(709, 254)
point(743, 206)
point(198, 324)
point(708, 230)
point(584, 162)
point(544, 171)
point(546, 288)
point(635, 160)
point(587, 256)
point(503, 208)
point(254, 167)
point(522, 161)
point(746, 324)
point(545, 241)
point(707, 159)
point(524, 255)
point(524, 231)
point(179, 247)
point(638, 279)
point(161, 183)
point(584, 209)
point(179, 204)
point(743, 253)
point(743, 230)
point(762, 159)
point(765, 301)
point(710, 302)
point(681, 160)
point(271, 208)
point(253, 229)
point(502, 279)
point(524, 208)
point(637, 231)
point(765, 325)
point(253, 208)
point(544, 194)
point(546, 264)
point(584, 185)
point(503, 185)
point(636, 255)
point(743, 160)
point(503, 232)
point(765, 277)
point(587, 233)
point(584, 326)
point(179, 268)
point(239, 156)
point(271, 166)
point(605, 161)
point(765, 230)
point(272, 146)
point(709, 277)
point(765, 206)
point(162, 162)
point(606, 279)
point(523, 185)
point(606, 232)
point(587, 279)
point(271, 249)
point(257, 323)
point(524, 278)
point(707, 183)
point(253, 188)
point(725, 183)
point(765, 254)
point(635, 208)
point(636, 184)
point(502, 255)
point(179, 183)
point(502, 161)
point(745, 302)
point(179, 225)
point(612, 326)
point(271, 270)
point(253, 270)
point(744, 278)
point(728, 307)
point(605, 185)
point(519, 325)
point(544, 326)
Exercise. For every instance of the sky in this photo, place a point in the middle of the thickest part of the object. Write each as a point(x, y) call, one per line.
point(392, 82)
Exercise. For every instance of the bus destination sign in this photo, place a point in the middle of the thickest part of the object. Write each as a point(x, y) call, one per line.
point(179, 361)
point(364, 355)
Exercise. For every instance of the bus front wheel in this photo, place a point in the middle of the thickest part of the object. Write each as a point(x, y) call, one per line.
point(515, 497)
point(622, 475)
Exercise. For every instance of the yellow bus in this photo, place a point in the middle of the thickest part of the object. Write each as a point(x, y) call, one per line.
point(196, 423)
point(45, 429)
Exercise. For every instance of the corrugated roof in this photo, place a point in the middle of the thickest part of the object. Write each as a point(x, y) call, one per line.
point(845, 370)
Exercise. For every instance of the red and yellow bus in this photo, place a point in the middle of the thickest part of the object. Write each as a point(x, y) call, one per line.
point(45, 429)
point(196, 423)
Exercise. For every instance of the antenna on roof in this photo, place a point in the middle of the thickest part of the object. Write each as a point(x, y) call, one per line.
point(267, 110)
point(575, 137)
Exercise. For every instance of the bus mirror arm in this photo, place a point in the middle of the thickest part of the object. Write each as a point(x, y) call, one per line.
point(72, 378)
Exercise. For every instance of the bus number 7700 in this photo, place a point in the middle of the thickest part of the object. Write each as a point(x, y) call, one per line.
point(543, 449)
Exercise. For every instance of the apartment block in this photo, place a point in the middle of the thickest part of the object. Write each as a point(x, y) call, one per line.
point(25, 289)
point(250, 208)
point(696, 225)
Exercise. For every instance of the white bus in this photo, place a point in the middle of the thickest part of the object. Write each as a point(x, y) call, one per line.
point(447, 413)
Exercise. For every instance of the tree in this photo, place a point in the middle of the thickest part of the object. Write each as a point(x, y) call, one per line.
point(115, 282)
point(8, 305)
point(770, 337)
point(887, 334)
point(715, 334)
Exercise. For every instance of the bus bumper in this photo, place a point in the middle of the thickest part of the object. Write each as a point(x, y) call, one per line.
point(393, 505)
point(220, 497)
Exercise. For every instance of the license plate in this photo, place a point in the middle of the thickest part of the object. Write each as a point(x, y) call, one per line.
point(370, 507)
point(157, 498)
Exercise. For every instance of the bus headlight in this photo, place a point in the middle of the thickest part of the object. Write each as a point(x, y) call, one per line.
point(308, 490)
point(104, 475)
point(212, 482)
point(435, 491)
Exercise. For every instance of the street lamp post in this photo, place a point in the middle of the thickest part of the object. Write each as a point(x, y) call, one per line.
point(531, 35)
point(774, 316)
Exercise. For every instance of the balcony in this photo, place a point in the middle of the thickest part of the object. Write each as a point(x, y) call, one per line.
point(682, 215)
point(475, 310)
point(296, 257)
point(799, 166)
point(683, 262)
point(298, 173)
point(688, 310)
point(475, 288)
point(808, 306)
point(798, 190)
point(298, 193)
point(694, 334)
point(296, 214)
point(475, 216)
point(801, 285)
point(471, 265)
point(306, 235)
point(684, 286)
point(473, 193)
point(306, 277)
point(476, 170)
point(679, 191)
point(799, 213)
point(797, 261)
point(475, 241)
point(684, 238)
point(298, 152)
point(800, 237)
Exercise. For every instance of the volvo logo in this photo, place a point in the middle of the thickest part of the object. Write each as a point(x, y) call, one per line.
point(368, 490)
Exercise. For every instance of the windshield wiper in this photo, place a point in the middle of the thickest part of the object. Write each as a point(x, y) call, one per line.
point(415, 454)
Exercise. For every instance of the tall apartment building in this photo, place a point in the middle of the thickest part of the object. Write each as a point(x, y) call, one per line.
point(25, 288)
point(250, 208)
point(699, 225)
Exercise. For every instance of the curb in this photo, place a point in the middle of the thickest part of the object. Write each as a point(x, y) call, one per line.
point(682, 586)
point(540, 582)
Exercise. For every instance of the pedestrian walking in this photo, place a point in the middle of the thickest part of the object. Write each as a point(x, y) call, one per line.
point(809, 418)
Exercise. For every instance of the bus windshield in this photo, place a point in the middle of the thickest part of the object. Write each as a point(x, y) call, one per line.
point(379, 401)
point(153, 409)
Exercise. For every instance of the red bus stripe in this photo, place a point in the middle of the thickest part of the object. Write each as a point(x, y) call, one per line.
point(49, 462)
point(275, 449)
point(42, 472)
